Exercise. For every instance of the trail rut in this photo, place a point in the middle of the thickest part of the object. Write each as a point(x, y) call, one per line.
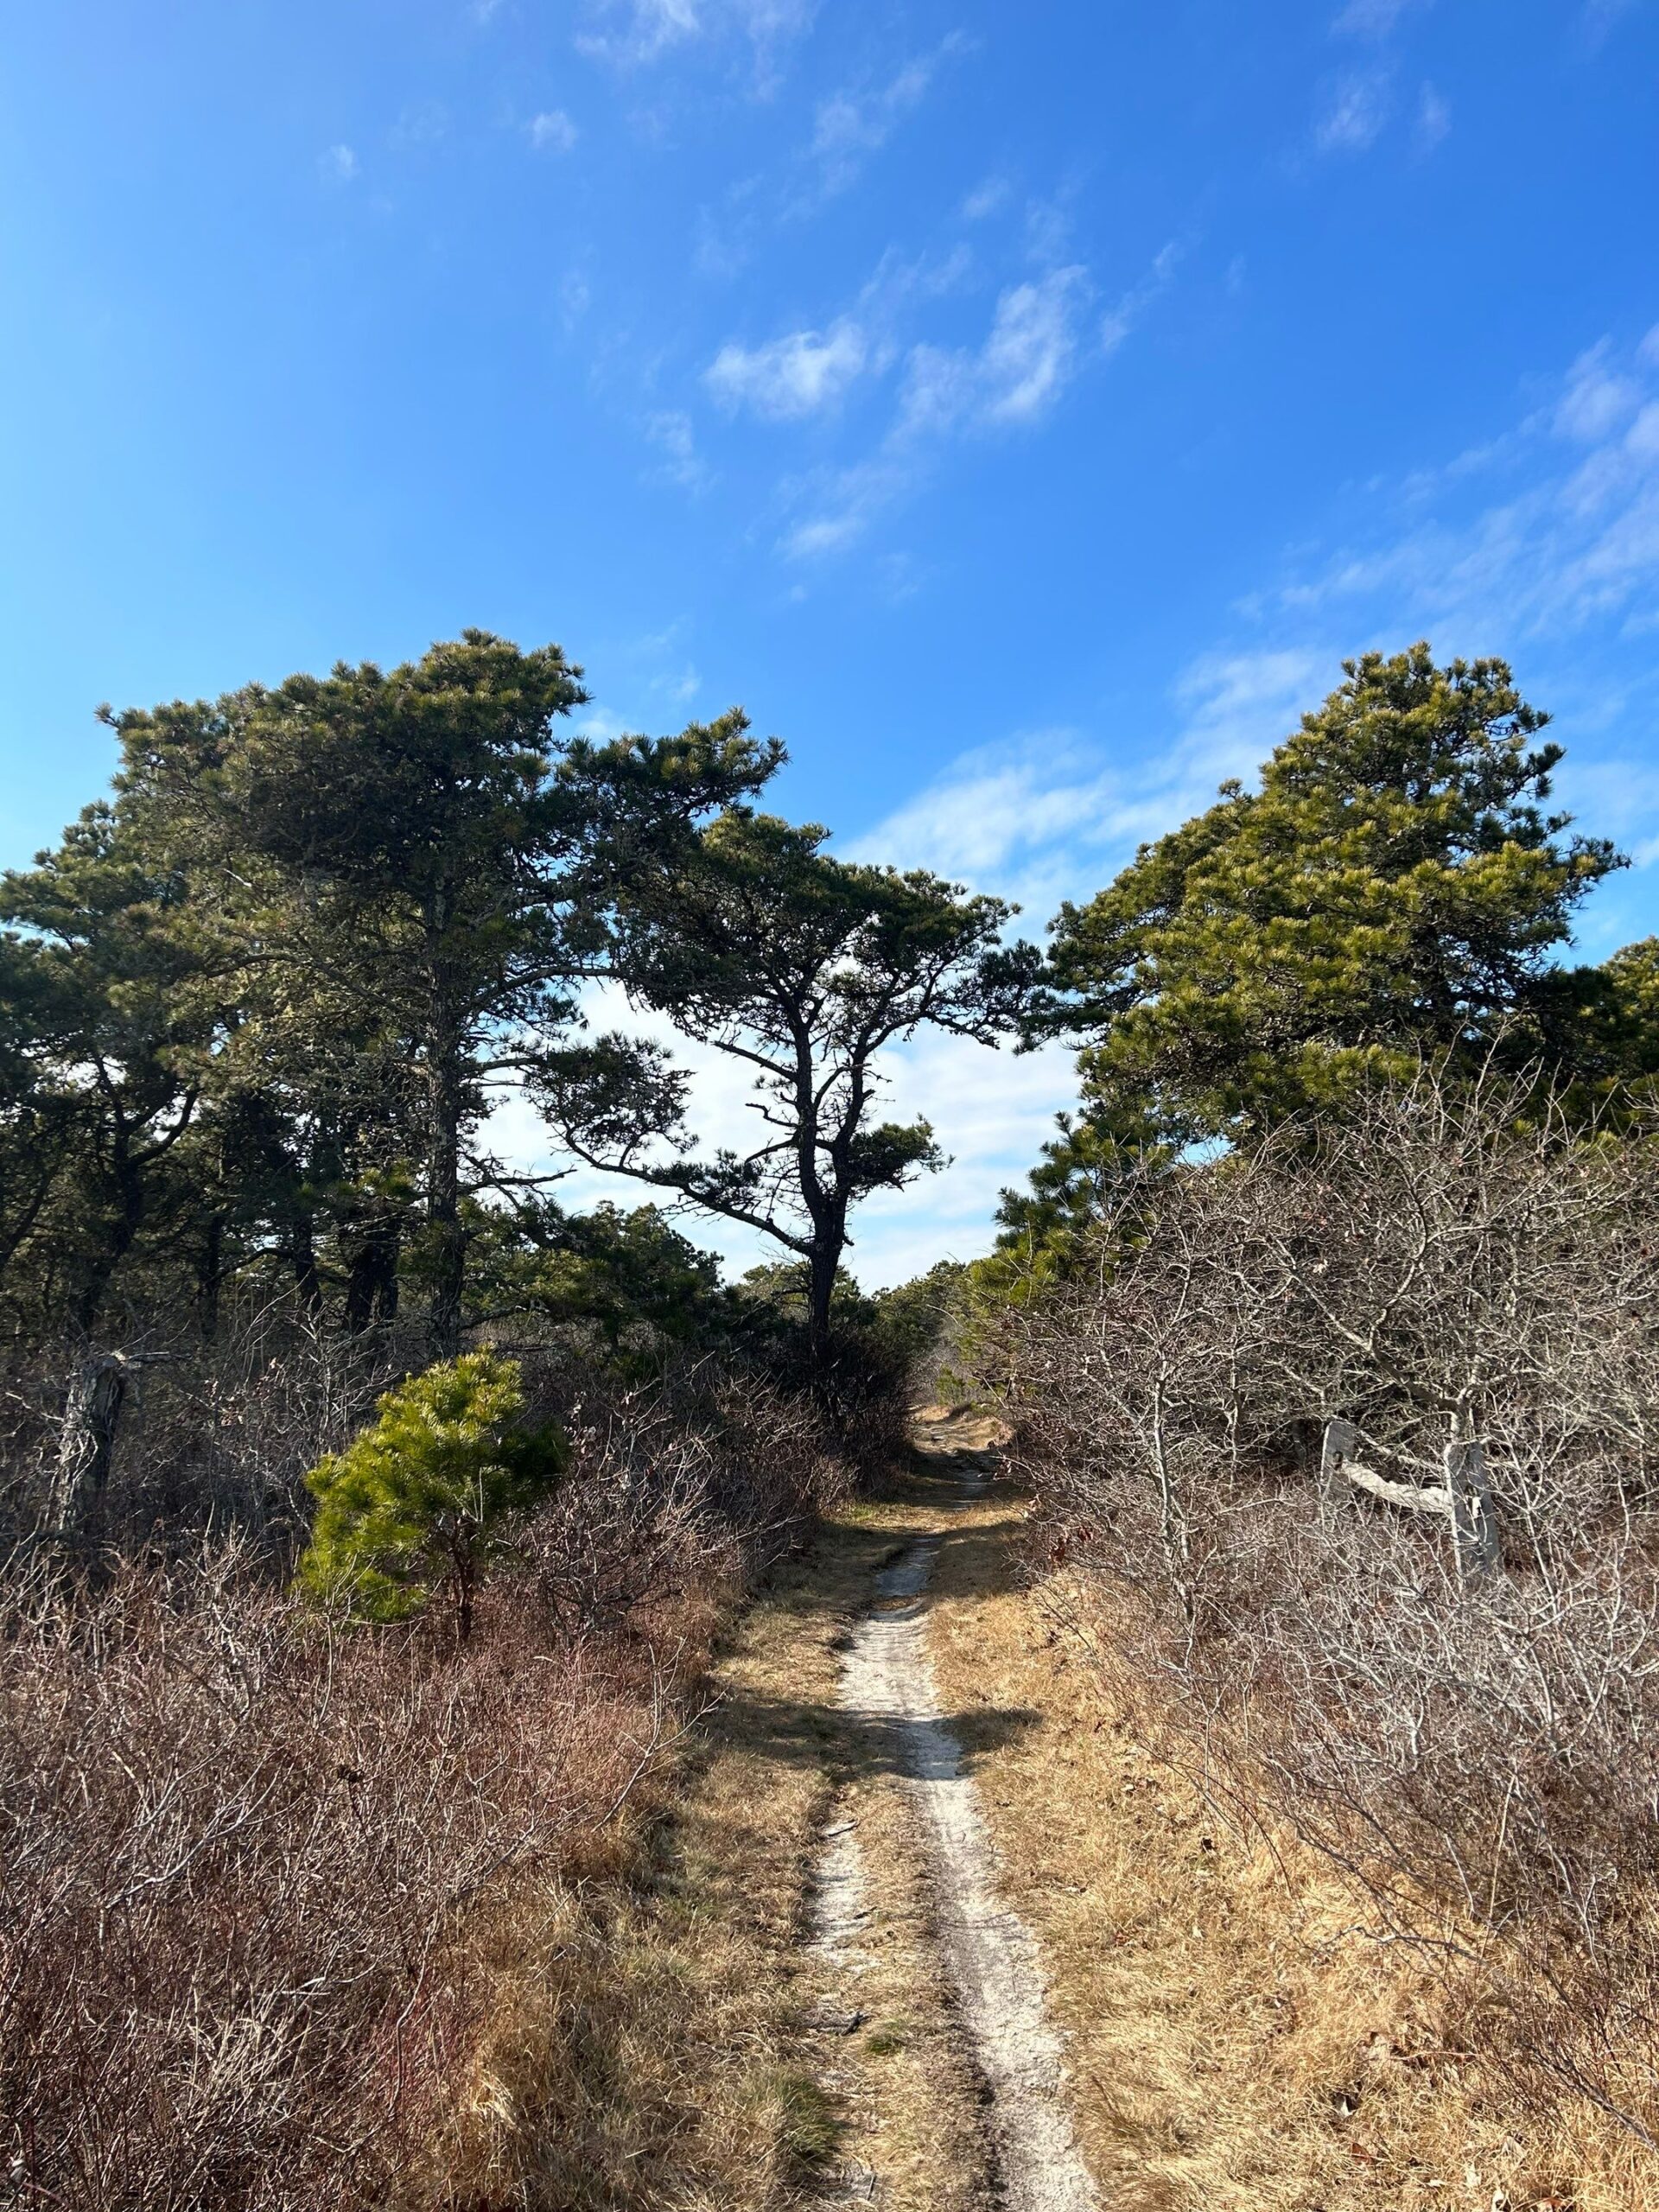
point(888, 1687)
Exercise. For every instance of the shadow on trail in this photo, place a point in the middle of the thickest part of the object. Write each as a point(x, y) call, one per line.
point(862, 1744)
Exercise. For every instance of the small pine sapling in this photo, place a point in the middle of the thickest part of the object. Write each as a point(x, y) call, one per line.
point(415, 1504)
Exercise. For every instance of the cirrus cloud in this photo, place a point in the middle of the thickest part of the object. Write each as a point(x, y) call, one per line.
point(793, 376)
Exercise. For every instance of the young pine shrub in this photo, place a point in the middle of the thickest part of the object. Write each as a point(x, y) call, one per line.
point(415, 1505)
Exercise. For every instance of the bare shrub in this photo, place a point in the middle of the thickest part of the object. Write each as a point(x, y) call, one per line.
point(242, 1856)
point(268, 1886)
point(1485, 1759)
point(633, 1521)
point(696, 1480)
point(214, 1435)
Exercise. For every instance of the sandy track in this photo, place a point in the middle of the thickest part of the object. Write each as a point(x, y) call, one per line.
point(888, 1685)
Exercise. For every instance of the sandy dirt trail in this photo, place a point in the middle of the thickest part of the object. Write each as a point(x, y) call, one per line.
point(887, 1691)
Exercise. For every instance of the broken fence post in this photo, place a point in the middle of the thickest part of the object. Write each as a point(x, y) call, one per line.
point(91, 1417)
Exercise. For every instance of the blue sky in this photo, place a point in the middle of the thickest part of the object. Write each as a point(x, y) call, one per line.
point(1020, 410)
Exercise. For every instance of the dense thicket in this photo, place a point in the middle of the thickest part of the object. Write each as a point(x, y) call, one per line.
point(1353, 1149)
point(274, 1843)
point(1484, 1756)
point(268, 1874)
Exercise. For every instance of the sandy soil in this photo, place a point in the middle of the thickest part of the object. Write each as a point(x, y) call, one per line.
point(889, 1694)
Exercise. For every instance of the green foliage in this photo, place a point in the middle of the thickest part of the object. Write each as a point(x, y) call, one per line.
point(1394, 888)
point(415, 1504)
point(1603, 1025)
point(398, 835)
point(1629, 1010)
point(749, 937)
point(785, 1287)
point(1070, 1186)
point(616, 1270)
point(403, 863)
point(114, 1015)
point(914, 1316)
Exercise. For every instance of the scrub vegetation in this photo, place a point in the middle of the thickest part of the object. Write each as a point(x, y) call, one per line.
point(370, 1519)
point(1326, 1335)
point(423, 1601)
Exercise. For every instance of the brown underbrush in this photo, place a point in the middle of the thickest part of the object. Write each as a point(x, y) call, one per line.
point(294, 1915)
point(1240, 2032)
point(246, 1857)
point(1474, 1756)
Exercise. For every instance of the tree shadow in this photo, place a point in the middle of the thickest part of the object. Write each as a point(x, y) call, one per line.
point(863, 1744)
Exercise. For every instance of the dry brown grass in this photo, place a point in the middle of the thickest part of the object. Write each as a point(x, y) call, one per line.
point(248, 1864)
point(299, 1918)
point(906, 2087)
point(1237, 2039)
point(654, 2037)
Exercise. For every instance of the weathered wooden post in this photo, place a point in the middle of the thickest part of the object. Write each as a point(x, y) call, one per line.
point(1474, 1524)
point(1340, 1440)
point(92, 1414)
point(91, 1419)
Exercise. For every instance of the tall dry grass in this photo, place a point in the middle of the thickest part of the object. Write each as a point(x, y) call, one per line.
point(243, 1853)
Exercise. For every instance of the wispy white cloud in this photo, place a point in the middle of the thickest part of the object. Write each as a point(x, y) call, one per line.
point(1050, 228)
point(1568, 534)
point(1018, 372)
point(1051, 814)
point(1598, 396)
point(650, 28)
point(644, 30)
point(1121, 319)
point(844, 505)
point(1372, 18)
point(575, 297)
point(800, 374)
point(421, 124)
point(671, 432)
point(1235, 705)
point(1036, 344)
point(552, 131)
point(1434, 117)
point(997, 807)
point(1353, 112)
point(1599, 16)
point(986, 199)
point(806, 372)
point(1012, 378)
point(339, 165)
point(659, 661)
point(851, 125)
point(601, 725)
